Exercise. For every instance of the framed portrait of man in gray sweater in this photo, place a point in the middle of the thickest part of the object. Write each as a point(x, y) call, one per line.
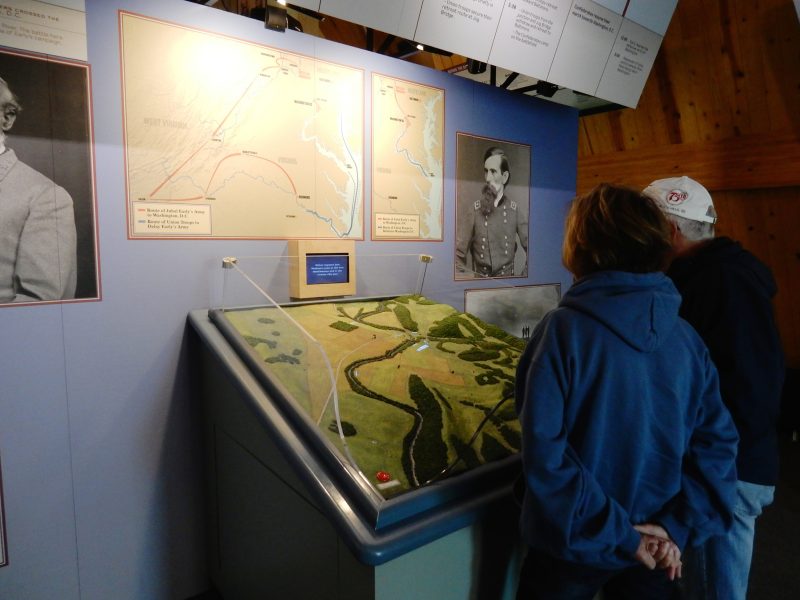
point(48, 237)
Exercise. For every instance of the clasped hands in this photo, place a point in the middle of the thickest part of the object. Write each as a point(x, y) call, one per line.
point(657, 551)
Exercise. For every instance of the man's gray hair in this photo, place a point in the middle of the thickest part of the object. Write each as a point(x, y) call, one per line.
point(694, 231)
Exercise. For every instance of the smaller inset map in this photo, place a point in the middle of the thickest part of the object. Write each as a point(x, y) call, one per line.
point(407, 159)
point(424, 391)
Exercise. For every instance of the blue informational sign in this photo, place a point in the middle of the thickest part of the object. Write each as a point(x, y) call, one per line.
point(327, 268)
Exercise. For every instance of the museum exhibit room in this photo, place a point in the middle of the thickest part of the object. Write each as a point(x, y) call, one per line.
point(277, 282)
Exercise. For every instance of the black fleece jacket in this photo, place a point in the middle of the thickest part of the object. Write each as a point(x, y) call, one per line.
point(727, 297)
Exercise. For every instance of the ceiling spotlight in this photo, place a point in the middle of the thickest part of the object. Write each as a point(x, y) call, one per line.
point(545, 88)
point(475, 67)
point(282, 2)
point(293, 23)
point(275, 18)
point(420, 47)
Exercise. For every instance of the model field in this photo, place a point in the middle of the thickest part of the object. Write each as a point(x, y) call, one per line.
point(424, 391)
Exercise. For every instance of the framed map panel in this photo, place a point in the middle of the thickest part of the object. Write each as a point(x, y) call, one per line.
point(407, 159)
point(230, 139)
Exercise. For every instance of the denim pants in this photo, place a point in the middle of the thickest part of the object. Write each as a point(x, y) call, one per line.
point(719, 569)
point(544, 577)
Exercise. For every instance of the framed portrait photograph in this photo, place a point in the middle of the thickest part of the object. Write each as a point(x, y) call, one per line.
point(492, 207)
point(516, 310)
point(48, 225)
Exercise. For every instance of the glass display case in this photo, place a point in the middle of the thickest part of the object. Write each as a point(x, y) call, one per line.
point(390, 410)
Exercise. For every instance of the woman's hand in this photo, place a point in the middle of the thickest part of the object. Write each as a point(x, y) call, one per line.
point(657, 549)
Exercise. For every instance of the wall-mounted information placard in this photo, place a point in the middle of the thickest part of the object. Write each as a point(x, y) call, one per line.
point(55, 27)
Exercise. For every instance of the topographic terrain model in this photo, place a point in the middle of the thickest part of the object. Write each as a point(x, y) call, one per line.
point(230, 139)
point(424, 391)
point(407, 158)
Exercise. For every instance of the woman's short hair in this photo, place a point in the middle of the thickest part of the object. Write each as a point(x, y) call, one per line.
point(615, 229)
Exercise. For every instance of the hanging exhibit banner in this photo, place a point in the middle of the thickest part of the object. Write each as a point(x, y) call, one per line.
point(48, 250)
point(231, 139)
point(55, 27)
point(407, 159)
point(605, 48)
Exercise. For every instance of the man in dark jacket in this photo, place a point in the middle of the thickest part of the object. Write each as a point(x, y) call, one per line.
point(727, 296)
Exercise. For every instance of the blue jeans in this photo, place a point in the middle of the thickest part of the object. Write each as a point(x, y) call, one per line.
point(544, 577)
point(719, 569)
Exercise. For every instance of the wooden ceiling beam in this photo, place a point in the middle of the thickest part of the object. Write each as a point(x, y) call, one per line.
point(745, 163)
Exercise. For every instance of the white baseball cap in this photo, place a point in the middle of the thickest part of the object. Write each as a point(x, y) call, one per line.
point(683, 197)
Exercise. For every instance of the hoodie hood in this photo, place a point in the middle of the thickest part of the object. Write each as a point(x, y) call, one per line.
point(640, 308)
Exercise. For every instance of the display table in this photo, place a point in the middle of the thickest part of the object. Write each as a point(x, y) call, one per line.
point(285, 520)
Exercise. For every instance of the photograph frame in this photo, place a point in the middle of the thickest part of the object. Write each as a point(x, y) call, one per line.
point(53, 136)
point(492, 225)
point(505, 306)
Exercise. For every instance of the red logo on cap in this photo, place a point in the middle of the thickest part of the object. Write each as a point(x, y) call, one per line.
point(677, 197)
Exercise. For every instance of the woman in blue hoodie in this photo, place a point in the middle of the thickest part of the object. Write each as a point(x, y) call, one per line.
point(624, 434)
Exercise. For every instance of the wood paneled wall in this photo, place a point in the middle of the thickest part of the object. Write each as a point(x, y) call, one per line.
point(722, 105)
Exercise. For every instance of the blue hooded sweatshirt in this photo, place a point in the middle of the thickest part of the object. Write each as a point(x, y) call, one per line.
point(622, 423)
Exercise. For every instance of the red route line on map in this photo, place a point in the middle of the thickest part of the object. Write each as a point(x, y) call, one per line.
point(219, 164)
point(193, 154)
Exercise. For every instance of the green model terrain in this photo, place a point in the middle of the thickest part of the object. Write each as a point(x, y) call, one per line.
point(424, 391)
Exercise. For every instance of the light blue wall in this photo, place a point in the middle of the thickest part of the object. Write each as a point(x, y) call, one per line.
point(98, 436)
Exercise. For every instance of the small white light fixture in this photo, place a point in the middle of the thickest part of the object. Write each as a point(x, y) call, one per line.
point(282, 2)
point(420, 47)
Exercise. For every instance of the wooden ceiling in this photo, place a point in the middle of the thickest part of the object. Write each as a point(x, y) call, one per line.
point(722, 104)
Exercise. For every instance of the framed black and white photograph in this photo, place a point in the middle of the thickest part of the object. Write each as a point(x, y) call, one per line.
point(516, 310)
point(492, 207)
point(48, 224)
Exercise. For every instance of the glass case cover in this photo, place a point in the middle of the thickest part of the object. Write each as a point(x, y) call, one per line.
point(400, 393)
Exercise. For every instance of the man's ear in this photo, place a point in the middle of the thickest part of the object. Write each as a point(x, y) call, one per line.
point(674, 231)
point(680, 245)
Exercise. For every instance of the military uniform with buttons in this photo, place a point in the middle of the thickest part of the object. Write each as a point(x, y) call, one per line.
point(494, 240)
